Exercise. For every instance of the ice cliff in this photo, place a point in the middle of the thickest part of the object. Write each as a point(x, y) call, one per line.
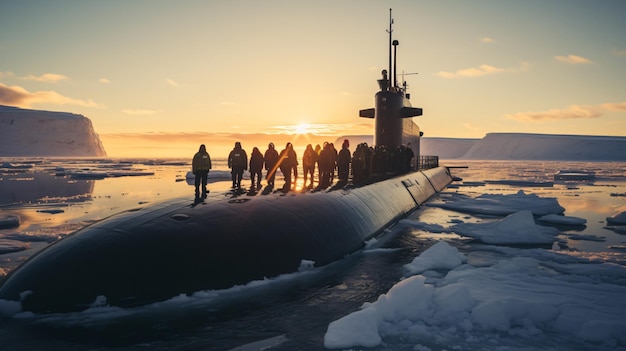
point(26, 132)
point(521, 146)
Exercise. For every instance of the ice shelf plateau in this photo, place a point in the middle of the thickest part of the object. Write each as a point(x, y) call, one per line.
point(36, 133)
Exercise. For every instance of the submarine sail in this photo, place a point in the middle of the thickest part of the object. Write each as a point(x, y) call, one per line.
point(392, 112)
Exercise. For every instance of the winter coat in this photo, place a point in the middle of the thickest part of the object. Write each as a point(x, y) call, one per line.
point(238, 158)
point(201, 162)
point(256, 161)
point(270, 158)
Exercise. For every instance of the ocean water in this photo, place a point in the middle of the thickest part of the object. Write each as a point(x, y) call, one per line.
point(55, 197)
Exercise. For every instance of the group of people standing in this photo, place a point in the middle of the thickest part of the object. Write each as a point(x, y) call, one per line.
point(285, 160)
point(327, 159)
point(365, 161)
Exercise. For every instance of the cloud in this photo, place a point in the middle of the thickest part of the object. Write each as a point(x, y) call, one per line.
point(46, 78)
point(140, 112)
point(481, 70)
point(20, 97)
point(487, 40)
point(172, 82)
point(572, 59)
point(104, 81)
point(618, 106)
point(572, 112)
point(6, 74)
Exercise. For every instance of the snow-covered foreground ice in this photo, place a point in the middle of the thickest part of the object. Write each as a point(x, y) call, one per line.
point(495, 297)
point(525, 294)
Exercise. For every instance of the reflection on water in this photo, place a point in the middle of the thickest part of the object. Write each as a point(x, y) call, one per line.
point(51, 201)
point(39, 187)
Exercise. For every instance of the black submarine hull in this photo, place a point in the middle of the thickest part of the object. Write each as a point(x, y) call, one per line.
point(155, 253)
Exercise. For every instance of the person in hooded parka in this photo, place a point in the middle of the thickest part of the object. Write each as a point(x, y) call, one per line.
point(237, 162)
point(200, 166)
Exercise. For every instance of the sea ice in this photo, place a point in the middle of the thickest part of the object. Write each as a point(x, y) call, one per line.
point(439, 256)
point(10, 221)
point(517, 295)
point(501, 205)
point(7, 246)
point(517, 228)
point(619, 229)
point(617, 219)
point(567, 220)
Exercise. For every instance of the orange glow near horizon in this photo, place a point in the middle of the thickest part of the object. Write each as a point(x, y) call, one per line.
point(184, 145)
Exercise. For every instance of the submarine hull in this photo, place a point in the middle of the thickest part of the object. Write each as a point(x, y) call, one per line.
point(155, 253)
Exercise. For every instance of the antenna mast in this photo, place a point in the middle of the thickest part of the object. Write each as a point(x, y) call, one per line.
point(391, 74)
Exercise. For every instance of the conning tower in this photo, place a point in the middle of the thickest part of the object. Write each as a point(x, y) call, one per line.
point(392, 124)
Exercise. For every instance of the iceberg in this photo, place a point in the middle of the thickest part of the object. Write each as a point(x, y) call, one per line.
point(523, 146)
point(25, 133)
point(514, 229)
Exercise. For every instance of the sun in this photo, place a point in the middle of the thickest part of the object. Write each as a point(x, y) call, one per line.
point(302, 128)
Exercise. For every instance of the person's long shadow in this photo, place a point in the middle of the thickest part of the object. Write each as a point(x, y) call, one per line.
point(252, 191)
point(339, 185)
point(199, 200)
point(268, 190)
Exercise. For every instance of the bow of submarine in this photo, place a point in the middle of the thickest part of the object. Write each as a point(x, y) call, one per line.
point(161, 251)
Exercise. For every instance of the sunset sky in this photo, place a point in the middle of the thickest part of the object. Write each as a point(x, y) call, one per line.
point(157, 78)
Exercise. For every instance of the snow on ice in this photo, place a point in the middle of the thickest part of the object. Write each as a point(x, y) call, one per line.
point(502, 205)
point(516, 228)
point(617, 219)
point(7, 245)
point(540, 298)
point(9, 221)
point(564, 220)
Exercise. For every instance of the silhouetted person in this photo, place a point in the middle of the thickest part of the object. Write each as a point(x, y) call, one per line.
point(270, 158)
point(360, 163)
point(326, 164)
point(343, 161)
point(256, 165)
point(308, 163)
point(380, 160)
point(200, 166)
point(294, 164)
point(237, 162)
point(333, 162)
point(408, 157)
point(318, 151)
point(287, 160)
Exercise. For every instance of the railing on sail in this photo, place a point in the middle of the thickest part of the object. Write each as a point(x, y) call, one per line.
point(427, 162)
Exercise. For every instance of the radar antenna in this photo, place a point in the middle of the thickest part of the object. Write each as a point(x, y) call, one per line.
point(391, 73)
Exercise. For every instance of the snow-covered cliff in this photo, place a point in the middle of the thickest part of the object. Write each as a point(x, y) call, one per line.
point(44, 133)
point(521, 146)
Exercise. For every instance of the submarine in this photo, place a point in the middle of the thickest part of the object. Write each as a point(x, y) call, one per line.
point(160, 251)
